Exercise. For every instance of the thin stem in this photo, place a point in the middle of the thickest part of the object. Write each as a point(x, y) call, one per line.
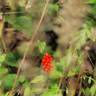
point(3, 44)
point(13, 12)
point(91, 61)
point(1, 35)
point(31, 41)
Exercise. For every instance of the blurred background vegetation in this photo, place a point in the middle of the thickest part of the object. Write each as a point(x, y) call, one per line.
point(67, 32)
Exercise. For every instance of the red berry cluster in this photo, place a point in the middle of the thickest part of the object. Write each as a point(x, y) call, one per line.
point(47, 63)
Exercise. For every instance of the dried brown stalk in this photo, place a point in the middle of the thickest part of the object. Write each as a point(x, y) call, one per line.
point(30, 43)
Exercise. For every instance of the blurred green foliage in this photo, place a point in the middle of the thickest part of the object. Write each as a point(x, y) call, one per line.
point(24, 21)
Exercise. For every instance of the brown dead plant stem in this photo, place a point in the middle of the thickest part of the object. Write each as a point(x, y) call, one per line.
point(29, 45)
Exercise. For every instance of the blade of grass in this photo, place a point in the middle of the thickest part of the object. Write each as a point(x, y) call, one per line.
point(31, 41)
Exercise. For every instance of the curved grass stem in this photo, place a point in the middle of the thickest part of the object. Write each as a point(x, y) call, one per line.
point(30, 43)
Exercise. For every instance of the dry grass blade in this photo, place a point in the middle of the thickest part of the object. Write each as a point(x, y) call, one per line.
point(1, 32)
point(31, 41)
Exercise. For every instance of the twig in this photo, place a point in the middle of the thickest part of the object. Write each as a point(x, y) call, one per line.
point(3, 44)
point(60, 82)
point(1, 37)
point(91, 61)
point(12, 12)
point(31, 41)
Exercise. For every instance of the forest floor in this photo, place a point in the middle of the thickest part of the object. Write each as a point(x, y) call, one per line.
point(48, 48)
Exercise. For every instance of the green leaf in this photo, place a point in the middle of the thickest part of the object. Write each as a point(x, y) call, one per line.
point(22, 78)
point(8, 81)
point(53, 8)
point(74, 71)
point(93, 11)
point(22, 3)
point(53, 91)
point(6, 94)
point(11, 59)
point(42, 46)
point(23, 23)
point(27, 91)
point(2, 58)
point(89, 80)
point(55, 74)
point(84, 33)
point(93, 90)
point(3, 71)
point(57, 54)
point(68, 58)
point(92, 1)
point(86, 91)
point(38, 79)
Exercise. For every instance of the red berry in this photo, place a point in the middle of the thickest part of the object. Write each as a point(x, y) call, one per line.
point(47, 62)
